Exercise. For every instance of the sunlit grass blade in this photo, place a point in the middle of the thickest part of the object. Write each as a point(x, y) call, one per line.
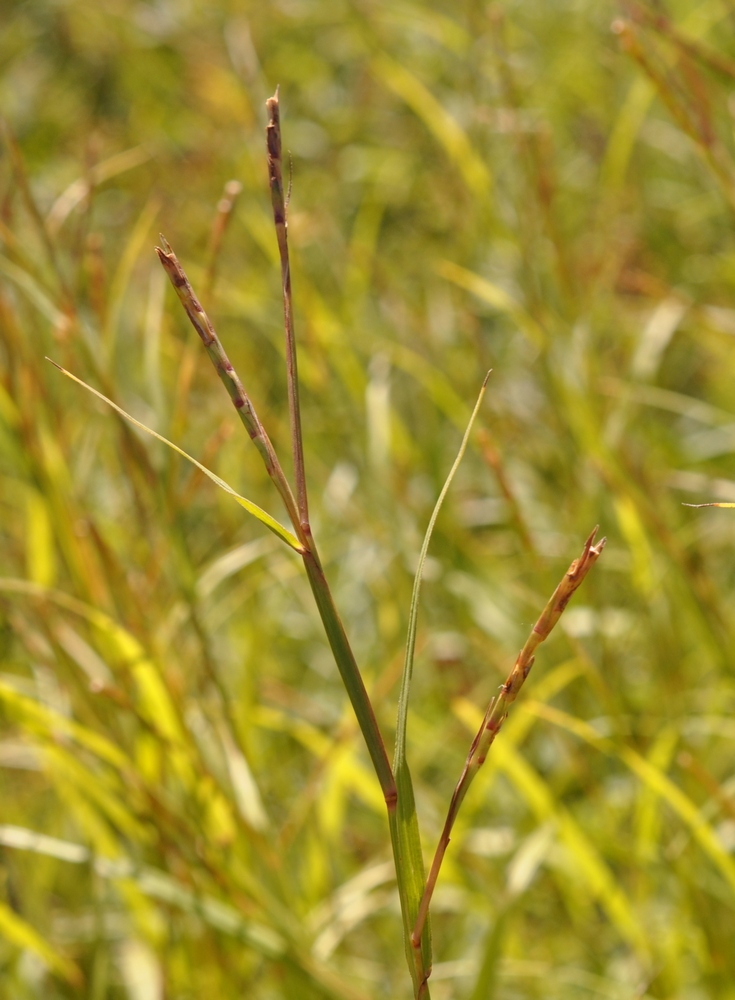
point(445, 129)
point(81, 188)
point(495, 296)
point(400, 750)
point(406, 837)
point(655, 779)
point(14, 929)
point(589, 866)
point(270, 522)
point(35, 717)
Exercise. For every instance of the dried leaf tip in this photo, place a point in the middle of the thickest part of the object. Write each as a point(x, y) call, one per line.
point(485, 380)
point(165, 244)
point(720, 504)
point(272, 102)
point(590, 554)
point(274, 124)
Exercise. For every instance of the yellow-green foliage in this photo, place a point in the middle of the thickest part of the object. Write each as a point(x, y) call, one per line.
point(188, 810)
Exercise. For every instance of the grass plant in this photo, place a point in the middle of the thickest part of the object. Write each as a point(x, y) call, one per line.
point(189, 802)
point(414, 890)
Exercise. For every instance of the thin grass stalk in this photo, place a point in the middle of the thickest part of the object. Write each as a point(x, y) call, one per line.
point(280, 209)
point(497, 710)
point(336, 635)
point(404, 833)
point(229, 377)
point(350, 673)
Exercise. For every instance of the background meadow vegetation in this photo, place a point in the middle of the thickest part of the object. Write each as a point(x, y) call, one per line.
point(187, 809)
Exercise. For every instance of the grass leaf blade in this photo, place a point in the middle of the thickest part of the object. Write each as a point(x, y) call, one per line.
point(400, 752)
point(405, 832)
point(250, 507)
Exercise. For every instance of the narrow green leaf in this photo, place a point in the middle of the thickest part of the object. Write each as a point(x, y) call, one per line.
point(250, 507)
point(410, 876)
point(445, 129)
point(405, 832)
point(400, 752)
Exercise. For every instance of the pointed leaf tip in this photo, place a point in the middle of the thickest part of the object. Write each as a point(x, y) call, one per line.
point(713, 504)
point(270, 522)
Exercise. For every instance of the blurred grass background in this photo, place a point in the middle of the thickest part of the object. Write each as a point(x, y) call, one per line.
point(187, 808)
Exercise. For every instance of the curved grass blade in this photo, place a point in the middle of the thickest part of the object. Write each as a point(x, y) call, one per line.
point(250, 507)
point(400, 751)
point(445, 129)
point(405, 835)
point(496, 297)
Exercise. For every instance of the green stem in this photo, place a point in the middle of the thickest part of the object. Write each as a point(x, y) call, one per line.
point(401, 814)
point(350, 673)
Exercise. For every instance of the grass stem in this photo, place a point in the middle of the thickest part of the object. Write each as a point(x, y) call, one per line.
point(229, 377)
point(333, 627)
point(280, 209)
point(497, 710)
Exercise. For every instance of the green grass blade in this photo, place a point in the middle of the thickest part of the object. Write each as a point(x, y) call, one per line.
point(405, 832)
point(351, 676)
point(34, 292)
point(484, 988)
point(446, 130)
point(655, 779)
point(37, 718)
point(496, 297)
point(250, 507)
point(400, 752)
point(411, 877)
